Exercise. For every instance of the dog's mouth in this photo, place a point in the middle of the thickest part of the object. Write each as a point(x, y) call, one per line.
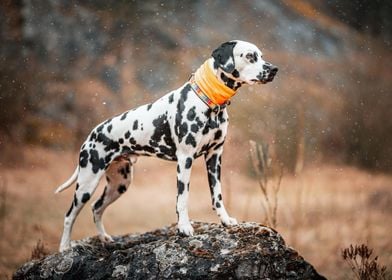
point(263, 81)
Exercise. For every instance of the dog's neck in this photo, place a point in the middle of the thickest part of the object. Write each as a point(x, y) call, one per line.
point(227, 79)
point(213, 86)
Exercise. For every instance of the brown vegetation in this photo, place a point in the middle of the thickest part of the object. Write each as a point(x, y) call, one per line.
point(321, 210)
point(363, 265)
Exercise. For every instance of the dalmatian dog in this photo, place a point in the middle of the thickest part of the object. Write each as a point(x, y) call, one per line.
point(181, 126)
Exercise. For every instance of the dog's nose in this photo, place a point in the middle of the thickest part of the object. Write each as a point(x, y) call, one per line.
point(273, 69)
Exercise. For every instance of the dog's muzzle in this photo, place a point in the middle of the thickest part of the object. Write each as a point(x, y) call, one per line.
point(268, 73)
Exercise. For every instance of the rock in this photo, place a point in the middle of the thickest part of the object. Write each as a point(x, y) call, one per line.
point(246, 251)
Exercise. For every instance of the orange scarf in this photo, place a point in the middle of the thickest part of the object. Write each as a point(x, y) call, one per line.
point(215, 90)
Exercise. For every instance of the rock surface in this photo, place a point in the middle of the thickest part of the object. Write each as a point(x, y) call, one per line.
point(246, 251)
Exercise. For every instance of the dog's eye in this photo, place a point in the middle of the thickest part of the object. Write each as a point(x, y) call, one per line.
point(252, 57)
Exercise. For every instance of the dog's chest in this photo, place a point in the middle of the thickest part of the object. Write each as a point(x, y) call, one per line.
point(212, 132)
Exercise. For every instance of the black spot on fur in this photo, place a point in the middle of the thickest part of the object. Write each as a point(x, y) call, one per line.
point(97, 163)
point(149, 107)
point(235, 73)
point(213, 168)
point(99, 202)
point(135, 125)
point(124, 171)
point(123, 116)
point(183, 131)
point(178, 169)
point(108, 143)
point(211, 179)
point(206, 129)
point(126, 150)
point(92, 138)
point(85, 197)
point(179, 126)
point(121, 141)
point(127, 134)
point(108, 158)
point(70, 210)
point(212, 163)
point(190, 140)
point(191, 114)
point(180, 187)
point(221, 118)
point(99, 129)
point(162, 132)
point(75, 200)
point(217, 146)
point(211, 124)
point(219, 197)
point(122, 189)
point(110, 128)
point(145, 148)
point(132, 141)
point(171, 98)
point(227, 81)
point(194, 128)
point(218, 135)
point(77, 186)
point(83, 158)
point(188, 163)
point(217, 205)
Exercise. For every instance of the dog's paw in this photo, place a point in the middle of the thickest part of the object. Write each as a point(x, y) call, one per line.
point(64, 247)
point(106, 238)
point(229, 221)
point(185, 229)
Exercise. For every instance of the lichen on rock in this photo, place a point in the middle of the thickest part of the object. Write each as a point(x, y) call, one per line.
point(246, 251)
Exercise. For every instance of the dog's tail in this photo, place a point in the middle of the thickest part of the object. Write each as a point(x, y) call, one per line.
point(69, 182)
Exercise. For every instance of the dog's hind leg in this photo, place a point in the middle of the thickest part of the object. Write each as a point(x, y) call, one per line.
point(118, 176)
point(85, 187)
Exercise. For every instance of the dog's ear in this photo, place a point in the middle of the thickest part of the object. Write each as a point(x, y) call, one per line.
point(224, 58)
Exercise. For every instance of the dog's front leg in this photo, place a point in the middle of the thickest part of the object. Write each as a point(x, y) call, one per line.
point(213, 162)
point(184, 166)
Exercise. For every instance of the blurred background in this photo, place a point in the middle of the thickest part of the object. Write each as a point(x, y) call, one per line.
point(67, 65)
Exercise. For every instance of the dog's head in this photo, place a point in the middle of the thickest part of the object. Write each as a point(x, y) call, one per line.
point(243, 62)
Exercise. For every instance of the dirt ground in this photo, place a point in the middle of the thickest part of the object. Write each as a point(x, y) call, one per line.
point(320, 212)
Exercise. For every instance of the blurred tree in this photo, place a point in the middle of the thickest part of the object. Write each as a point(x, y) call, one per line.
point(15, 82)
point(369, 16)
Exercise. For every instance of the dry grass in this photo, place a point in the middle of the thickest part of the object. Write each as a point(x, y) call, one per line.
point(363, 265)
point(262, 164)
point(321, 211)
point(39, 251)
